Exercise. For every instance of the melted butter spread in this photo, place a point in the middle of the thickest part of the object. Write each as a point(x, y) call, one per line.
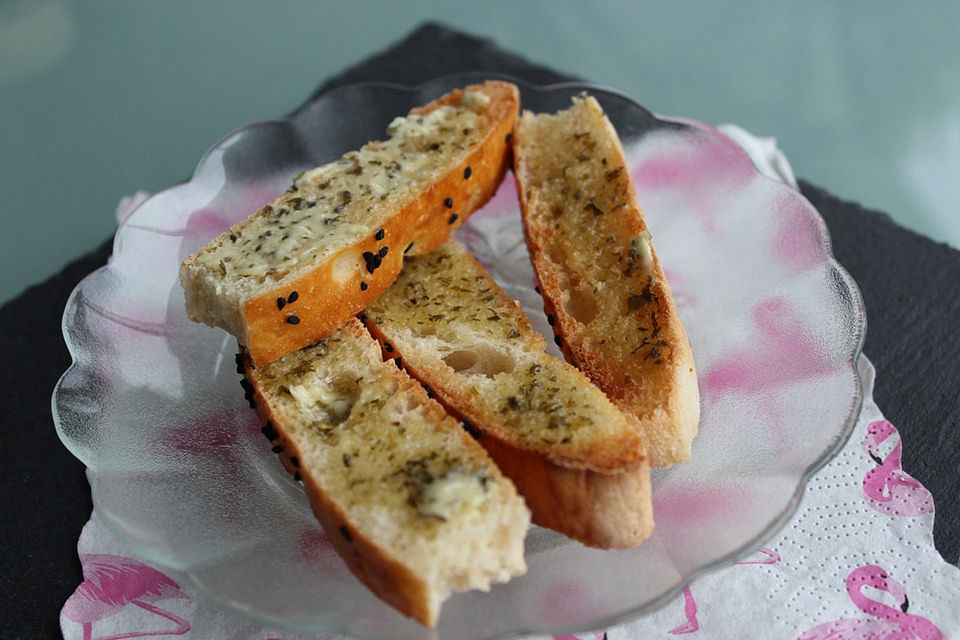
point(325, 403)
point(333, 206)
point(640, 247)
point(372, 444)
point(454, 495)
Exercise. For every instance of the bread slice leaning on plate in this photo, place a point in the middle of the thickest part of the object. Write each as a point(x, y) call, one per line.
point(413, 505)
point(602, 284)
point(576, 460)
point(304, 264)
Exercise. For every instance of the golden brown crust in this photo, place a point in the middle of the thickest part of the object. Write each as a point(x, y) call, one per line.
point(597, 492)
point(386, 576)
point(325, 303)
point(660, 392)
point(604, 455)
point(608, 510)
point(604, 510)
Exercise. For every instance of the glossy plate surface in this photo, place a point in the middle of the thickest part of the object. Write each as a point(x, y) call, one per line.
point(179, 470)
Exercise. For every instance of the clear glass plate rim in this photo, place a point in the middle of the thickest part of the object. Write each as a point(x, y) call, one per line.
point(456, 79)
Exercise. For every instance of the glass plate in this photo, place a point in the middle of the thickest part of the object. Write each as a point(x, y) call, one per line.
point(180, 472)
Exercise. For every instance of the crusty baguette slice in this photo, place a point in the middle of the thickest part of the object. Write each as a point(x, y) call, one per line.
point(304, 264)
point(412, 504)
point(600, 277)
point(572, 455)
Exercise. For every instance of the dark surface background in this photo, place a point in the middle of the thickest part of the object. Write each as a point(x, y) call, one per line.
point(910, 285)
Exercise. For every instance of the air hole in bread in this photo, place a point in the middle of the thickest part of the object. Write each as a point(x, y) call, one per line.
point(424, 329)
point(331, 401)
point(461, 361)
point(558, 256)
point(480, 360)
point(341, 405)
point(581, 305)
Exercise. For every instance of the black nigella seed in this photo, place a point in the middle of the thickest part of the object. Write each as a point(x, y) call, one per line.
point(292, 297)
point(448, 203)
point(281, 302)
point(396, 361)
point(466, 173)
point(383, 252)
point(373, 261)
point(551, 319)
point(346, 459)
point(558, 341)
point(363, 286)
point(409, 246)
point(276, 448)
point(294, 461)
point(379, 235)
point(473, 431)
point(388, 347)
point(452, 219)
point(269, 432)
point(346, 533)
point(293, 320)
point(296, 476)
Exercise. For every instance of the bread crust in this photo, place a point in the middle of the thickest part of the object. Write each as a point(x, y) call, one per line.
point(600, 496)
point(325, 303)
point(383, 573)
point(603, 510)
point(385, 576)
point(660, 393)
point(607, 510)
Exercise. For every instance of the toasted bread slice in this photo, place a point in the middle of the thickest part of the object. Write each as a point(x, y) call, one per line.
point(600, 277)
point(413, 505)
point(304, 264)
point(573, 456)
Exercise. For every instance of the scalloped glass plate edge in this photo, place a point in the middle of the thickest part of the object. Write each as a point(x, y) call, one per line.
point(438, 86)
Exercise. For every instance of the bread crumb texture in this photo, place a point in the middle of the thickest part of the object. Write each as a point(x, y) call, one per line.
point(338, 235)
point(332, 207)
point(615, 316)
point(403, 475)
point(458, 331)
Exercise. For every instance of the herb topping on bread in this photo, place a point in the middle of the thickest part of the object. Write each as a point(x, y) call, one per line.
point(301, 266)
point(412, 504)
point(450, 325)
point(600, 275)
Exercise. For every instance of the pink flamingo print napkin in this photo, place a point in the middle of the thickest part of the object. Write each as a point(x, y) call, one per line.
point(856, 561)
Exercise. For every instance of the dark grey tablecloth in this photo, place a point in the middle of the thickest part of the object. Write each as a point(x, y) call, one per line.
point(910, 284)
